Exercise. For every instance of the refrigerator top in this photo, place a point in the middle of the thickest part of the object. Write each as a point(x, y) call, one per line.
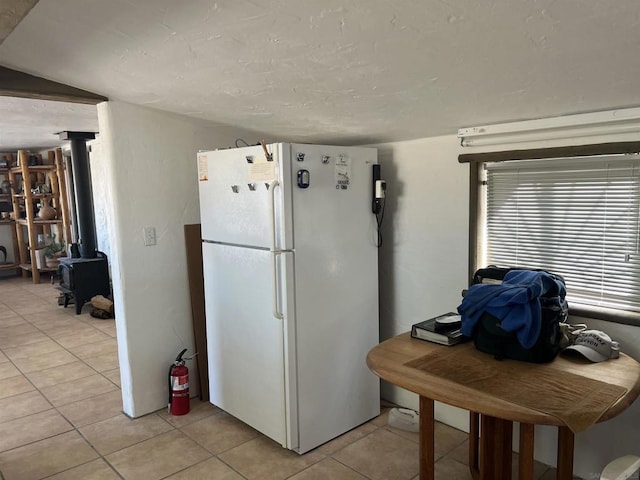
point(248, 196)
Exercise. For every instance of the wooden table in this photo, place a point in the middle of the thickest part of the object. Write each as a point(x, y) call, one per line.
point(570, 393)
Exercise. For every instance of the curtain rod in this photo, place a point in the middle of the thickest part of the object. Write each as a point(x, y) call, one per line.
point(552, 152)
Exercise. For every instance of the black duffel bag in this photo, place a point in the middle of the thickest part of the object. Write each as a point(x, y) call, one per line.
point(497, 336)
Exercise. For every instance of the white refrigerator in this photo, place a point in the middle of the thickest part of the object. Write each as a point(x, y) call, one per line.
point(291, 288)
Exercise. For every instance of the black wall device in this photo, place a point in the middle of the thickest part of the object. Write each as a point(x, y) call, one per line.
point(378, 188)
point(375, 208)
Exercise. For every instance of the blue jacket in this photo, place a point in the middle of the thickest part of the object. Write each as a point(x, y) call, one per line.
point(515, 302)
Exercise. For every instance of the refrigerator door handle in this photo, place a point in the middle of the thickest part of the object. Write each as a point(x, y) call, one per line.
point(276, 293)
point(272, 212)
point(274, 250)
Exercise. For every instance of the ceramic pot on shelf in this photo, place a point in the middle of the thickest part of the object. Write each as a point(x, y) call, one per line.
point(53, 262)
point(47, 212)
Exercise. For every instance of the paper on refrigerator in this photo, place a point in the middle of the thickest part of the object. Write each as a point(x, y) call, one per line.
point(261, 170)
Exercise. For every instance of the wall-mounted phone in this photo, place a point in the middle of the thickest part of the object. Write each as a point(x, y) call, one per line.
point(378, 194)
point(379, 188)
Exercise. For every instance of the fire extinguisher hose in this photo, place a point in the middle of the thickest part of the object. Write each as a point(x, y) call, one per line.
point(177, 362)
point(170, 369)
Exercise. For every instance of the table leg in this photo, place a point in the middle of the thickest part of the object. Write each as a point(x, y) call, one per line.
point(427, 440)
point(564, 469)
point(474, 435)
point(496, 437)
point(525, 459)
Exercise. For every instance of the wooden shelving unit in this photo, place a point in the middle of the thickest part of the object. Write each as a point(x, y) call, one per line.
point(29, 175)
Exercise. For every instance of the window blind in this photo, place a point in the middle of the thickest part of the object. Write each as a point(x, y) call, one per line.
point(577, 217)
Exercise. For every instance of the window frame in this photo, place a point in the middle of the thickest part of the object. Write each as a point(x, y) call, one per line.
point(476, 161)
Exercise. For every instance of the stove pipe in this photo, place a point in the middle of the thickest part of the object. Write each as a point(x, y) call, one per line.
point(83, 194)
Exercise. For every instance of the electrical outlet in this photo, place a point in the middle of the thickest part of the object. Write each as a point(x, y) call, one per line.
point(149, 236)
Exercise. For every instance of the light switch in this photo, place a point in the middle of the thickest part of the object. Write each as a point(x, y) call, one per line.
point(149, 236)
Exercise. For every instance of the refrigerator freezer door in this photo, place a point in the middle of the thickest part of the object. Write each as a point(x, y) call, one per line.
point(245, 343)
point(235, 202)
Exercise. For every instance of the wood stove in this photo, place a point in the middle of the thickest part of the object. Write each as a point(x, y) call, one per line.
point(84, 278)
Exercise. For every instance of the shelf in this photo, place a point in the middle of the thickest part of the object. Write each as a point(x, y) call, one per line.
point(9, 266)
point(29, 268)
point(6, 221)
point(33, 196)
point(24, 221)
point(35, 169)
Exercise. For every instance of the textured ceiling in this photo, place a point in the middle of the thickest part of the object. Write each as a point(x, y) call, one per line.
point(11, 13)
point(347, 71)
point(33, 124)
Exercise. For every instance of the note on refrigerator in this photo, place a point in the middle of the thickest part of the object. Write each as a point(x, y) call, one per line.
point(261, 170)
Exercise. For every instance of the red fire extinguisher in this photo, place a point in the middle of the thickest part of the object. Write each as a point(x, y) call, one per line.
point(179, 386)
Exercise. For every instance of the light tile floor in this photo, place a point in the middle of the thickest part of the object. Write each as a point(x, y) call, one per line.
point(60, 416)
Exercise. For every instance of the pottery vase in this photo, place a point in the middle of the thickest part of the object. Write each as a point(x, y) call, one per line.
point(47, 212)
point(52, 262)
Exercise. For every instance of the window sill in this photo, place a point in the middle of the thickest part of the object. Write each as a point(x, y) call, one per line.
point(606, 314)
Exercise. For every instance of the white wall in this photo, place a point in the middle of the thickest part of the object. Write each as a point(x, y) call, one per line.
point(423, 268)
point(6, 240)
point(150, 179)
point(423, 259)
point(99, 168)
point(7, 231)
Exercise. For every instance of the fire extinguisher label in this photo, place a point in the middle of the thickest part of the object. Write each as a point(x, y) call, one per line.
point(180, 383)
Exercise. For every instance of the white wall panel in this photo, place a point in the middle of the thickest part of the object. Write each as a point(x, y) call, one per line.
point(151, 180)
point(423, 268)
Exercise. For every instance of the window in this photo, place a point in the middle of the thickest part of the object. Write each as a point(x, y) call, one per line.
point(579, 217)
